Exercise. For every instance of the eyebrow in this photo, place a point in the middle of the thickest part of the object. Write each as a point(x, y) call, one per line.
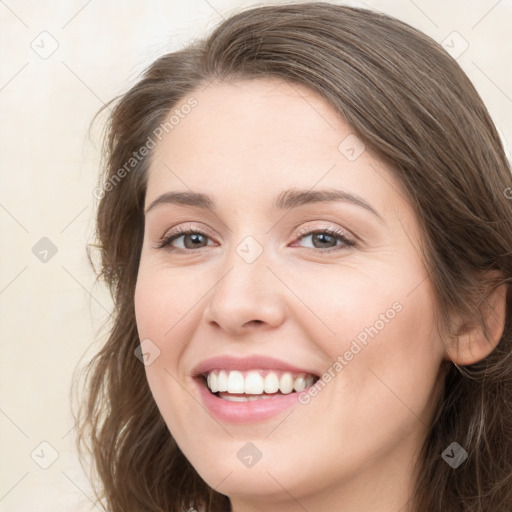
point(288, 199)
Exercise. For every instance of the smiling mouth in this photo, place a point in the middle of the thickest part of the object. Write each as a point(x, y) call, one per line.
point(257, 384)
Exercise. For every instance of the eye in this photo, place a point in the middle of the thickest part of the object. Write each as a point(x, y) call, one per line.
point(328, 239)
point(191, 239)
point(323, 240)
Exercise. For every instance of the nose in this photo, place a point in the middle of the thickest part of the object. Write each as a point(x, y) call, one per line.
point(246, 296)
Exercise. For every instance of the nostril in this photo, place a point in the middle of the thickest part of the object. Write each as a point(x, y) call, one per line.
point(255, 322)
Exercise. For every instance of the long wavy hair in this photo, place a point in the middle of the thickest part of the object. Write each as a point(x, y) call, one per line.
point(408, 101)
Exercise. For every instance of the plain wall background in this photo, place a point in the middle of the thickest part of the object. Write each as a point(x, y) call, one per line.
point(52, 311)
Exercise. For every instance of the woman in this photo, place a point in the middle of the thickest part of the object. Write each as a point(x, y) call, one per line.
point(305, 227)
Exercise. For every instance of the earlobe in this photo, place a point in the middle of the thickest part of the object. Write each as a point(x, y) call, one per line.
point(473, 341)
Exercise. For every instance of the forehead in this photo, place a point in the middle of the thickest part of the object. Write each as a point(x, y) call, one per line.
point(260, 115)
point(252, 128)
point(255, 138)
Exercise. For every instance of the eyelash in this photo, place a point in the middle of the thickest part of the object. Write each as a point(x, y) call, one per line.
point(165, 241)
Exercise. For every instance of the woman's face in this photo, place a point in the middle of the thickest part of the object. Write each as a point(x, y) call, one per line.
point(324, 285)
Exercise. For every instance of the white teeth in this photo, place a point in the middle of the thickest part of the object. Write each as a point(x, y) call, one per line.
point(299, 384)
point(212, 382)
point(237, 399)
point(253, 383)
point(286, 383)
point(235, 382)
point(271, 383)
point(248, 398)
point(222, 381)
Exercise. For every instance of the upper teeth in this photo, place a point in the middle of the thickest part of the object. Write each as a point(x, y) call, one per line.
point(255, 382)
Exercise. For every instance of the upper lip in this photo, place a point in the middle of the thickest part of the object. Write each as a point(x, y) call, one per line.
point(253, 362)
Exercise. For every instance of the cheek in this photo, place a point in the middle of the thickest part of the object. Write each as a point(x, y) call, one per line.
point(163, 315)
point(388, 365)
point(378, 329)
point(351, 302)
point(161, 301)
point(160, 314)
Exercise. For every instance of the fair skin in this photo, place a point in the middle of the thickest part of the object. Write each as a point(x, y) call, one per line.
point(354, 445)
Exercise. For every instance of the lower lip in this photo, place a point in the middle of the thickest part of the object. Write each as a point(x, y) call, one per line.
point(245, 412)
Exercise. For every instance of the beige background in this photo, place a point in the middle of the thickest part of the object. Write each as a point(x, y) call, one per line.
point(52, 311)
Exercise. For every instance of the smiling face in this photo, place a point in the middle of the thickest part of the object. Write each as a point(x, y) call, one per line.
point(332, 285)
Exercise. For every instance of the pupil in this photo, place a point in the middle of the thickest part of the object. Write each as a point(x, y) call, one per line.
point(323, 238)
point(195, 238)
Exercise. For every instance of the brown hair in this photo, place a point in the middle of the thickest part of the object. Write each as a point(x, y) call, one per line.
point(409, 102)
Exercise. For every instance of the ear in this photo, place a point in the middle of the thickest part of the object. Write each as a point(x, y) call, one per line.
point(473, 341)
